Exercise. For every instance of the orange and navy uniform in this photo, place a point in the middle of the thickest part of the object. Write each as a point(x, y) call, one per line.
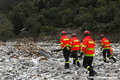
point(75, 44)
point(105, 43)
point(88, 46)
point(65, 41)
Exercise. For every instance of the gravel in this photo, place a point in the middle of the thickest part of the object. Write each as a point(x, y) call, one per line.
point(17, 64)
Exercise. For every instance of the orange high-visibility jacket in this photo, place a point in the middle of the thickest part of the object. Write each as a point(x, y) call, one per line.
point(110, 51)
point(64, 41)
point(75, 44)
point(88, 46)
point(105, 43)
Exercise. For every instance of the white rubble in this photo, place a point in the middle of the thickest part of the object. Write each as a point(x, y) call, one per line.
point(18, 64)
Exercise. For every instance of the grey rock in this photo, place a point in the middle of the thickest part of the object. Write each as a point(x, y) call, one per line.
point(23, 66)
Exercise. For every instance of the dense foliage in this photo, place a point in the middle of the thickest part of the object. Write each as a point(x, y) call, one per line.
point(6, 28)
point(46, 16)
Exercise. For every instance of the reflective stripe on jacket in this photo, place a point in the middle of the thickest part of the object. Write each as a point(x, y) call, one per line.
point(75, 44)
point(105, 43)
point(110, 51)
point(88, 46)
point(64, 41)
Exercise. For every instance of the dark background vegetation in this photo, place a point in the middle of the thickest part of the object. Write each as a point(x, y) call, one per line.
point(38, 18)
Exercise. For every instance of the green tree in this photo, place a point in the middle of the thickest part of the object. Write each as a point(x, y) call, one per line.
point(87, 3)
point(6, 28)
point(101, 3)
point(83, 10)
point(112, 10)
point(85, 16)
point(64, 5)
point(116, 21)
point(7, 5)
point(53, 3)
point(32, 25)
point(38, 15)
point(19, 14)
point(48, 30)
point(102, 15)
point(88, 22)
point(67, 19)
point(51, 14)
point(40, 4)
point(59, 19)
point(77, 20)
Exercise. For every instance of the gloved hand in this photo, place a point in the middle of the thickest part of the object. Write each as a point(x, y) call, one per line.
point(68, 48)
point(81, 55)
point(101, 48)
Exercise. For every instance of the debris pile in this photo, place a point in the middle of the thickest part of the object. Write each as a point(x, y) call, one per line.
point(25, 61)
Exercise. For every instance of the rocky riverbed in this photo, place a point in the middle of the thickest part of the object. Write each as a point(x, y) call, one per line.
point(21, 61)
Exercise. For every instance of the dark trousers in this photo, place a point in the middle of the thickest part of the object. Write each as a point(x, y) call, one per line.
point(66, 54)
point(87, 61)
point(108, 55)
point(74, 55)
point(104, 53)
point(75, 58)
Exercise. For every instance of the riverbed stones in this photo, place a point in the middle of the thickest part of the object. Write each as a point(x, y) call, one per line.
point(16, 63)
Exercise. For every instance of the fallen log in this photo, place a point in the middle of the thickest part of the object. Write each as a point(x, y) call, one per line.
point(44, 53)
point(56, 50)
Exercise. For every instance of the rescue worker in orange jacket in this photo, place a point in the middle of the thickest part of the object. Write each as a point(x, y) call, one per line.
point(75, 47)
point(87, 49)
point(65, 46)
point(106, 48)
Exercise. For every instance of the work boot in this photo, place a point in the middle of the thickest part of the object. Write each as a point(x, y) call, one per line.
point(106, 61)
point(67, 66)
point(92, 73)
point(78, 64)
point(74, 62)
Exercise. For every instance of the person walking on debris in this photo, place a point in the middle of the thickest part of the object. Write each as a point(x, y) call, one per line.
point(106, 48)
point(88, 51)
point(65, 46)
point(75, 47)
